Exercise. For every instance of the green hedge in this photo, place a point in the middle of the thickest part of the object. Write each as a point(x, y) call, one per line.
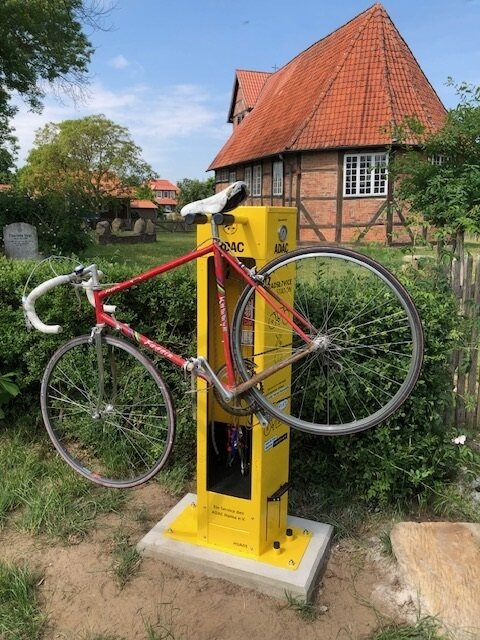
point(405, 457)
point(163, 308)
point(412, 452)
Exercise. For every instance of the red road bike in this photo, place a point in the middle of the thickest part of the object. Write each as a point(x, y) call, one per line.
point(346, 332)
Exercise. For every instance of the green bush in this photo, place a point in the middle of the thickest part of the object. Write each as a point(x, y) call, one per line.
point(163, 308)
point(411, 452)
point(407, 456)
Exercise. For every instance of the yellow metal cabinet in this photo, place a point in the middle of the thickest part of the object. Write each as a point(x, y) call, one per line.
point(242, 467)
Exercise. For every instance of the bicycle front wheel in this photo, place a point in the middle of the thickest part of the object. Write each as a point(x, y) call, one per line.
point(365, 336)
point(107, 411)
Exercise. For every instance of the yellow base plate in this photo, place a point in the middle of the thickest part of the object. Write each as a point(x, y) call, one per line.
point(292, 548)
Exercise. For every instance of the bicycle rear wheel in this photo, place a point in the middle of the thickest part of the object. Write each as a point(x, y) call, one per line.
point(115, 429)
point(366, 336)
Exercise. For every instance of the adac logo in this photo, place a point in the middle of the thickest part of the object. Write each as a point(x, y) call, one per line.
point(282, 246)
point(237, 247)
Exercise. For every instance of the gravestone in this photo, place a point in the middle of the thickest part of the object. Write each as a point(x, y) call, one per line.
point(21, 241)
point(117, 224)
point(139, 226)
point(150, 228)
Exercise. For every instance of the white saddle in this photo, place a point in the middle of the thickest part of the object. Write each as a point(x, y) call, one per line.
point(224, 200)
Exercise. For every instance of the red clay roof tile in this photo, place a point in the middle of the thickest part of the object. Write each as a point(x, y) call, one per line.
point(142, 204)
point(346, 90)
point(163, 185)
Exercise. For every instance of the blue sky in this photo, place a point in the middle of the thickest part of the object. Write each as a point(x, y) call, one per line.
point(165, 70)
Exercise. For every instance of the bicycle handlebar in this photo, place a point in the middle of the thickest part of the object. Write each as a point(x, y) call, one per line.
point(28, 302)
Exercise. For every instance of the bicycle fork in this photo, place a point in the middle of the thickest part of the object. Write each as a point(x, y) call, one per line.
point(96, 337)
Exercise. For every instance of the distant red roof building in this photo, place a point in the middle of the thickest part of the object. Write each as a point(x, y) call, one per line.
point(142, 204)
point(145, 209)
point(166, 194)
point(5, 187)
point(315, 133)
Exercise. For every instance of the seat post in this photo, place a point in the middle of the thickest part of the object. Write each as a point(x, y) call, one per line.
point(214, 227)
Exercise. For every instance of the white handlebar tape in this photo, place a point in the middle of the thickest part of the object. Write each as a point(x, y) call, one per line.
point(29, 304)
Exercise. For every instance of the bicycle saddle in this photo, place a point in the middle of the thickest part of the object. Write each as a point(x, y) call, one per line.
point(220, 202)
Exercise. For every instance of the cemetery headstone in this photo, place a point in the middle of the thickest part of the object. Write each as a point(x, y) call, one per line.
point(117, 224)
point(139, 226)
point(21, 241)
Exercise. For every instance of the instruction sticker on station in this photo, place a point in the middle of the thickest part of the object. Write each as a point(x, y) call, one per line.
point(274, 441)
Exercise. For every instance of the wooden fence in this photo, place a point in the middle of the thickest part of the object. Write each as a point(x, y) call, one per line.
point(464, 274)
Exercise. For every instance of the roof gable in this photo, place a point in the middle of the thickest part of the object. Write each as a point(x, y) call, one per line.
point(345, 90)
point(249, 85)
point(161, 184)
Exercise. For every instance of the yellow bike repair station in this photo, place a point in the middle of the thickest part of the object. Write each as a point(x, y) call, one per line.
point(238, 521)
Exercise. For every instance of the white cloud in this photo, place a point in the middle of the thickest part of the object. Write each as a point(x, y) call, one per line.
point(119, 62)
point(179, 128)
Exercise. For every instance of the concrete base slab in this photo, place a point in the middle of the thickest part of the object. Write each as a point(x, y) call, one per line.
point(255, 574)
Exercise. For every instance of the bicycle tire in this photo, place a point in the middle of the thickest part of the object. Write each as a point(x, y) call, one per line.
point(353, 379)
point(122, 439)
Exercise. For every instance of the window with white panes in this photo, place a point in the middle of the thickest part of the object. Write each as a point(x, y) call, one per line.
point(257, 180)
point(221, 175)
point(438, 159)
point(232, 177)
point(277, 178)
point(248, 178)
point(365, 174)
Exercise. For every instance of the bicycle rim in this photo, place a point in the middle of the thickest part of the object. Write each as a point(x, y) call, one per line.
point(116, 430)
point(367, 341)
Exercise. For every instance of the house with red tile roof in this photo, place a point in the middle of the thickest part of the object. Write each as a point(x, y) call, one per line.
point(166, 194)
point(317, 133)
point(145, 209)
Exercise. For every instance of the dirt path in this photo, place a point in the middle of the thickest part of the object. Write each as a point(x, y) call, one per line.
point(82, 597)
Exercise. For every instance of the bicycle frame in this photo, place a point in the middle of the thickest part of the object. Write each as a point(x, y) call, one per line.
point(199, 365)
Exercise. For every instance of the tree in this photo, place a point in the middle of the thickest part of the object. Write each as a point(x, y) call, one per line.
point(41, 42)
point(442, 183)
point(92, 157)
point(192, 189)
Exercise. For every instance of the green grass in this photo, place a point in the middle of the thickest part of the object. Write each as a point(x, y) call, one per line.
point(167, 247)
point(126, 559)
point(306, 610)
point(41, 494)
point(20, 615)
point(423, 629)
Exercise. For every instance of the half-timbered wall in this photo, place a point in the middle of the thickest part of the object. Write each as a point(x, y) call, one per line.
point(314, 183)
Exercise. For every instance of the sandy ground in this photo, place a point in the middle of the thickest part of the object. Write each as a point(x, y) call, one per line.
point(83, 599)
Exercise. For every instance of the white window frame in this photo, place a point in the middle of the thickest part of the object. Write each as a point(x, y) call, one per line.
point(365, 175)
point(257, 180)
point(247, 178)
point(221, 175)
point(438, 159)
point(277, 178)
point(232, 177)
